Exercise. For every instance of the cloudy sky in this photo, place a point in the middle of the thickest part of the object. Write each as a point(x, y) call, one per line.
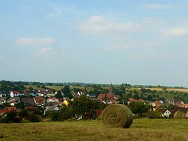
point(97, 41)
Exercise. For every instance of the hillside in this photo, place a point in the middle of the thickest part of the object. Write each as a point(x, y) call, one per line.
point(149, 93)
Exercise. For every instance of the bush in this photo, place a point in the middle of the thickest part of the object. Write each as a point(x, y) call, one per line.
point(55, 116)
point(154, 114)
point(10, 117)
point(66, 113)
point(34, 118)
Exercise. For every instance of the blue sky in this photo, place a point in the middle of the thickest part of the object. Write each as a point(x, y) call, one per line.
point(98, 41)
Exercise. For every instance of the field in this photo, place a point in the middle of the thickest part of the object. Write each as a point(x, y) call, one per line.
point(140, 130)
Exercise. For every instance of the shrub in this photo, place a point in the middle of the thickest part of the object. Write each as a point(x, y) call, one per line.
point(34, 118)
point(154, 114)
point(11, 117)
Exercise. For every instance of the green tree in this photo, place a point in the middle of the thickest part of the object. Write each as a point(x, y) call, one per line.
point(84, 104)
point(20, 105)
point(139, 108)
point(67, 92)
point(58, 95)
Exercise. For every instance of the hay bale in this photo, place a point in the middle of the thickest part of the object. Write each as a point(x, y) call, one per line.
point(186, 115)
point(179, 114)
point(117, 115)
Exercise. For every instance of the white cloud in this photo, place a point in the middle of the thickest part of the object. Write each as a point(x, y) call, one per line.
point(100, 25)
point(156, 6)
point(35, 41)
point(176, 31)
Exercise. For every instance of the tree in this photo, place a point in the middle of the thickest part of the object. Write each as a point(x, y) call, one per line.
point(20, 105)
point(139, 108)
point(136, 96)
point(67, 92)
point(30, 88)
point(84, 105)
point(58, 95)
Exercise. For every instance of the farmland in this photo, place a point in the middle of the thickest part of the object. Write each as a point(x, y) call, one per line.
point(89, 130)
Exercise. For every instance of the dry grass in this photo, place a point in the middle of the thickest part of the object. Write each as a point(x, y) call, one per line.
point(140, 130)
point(57, 88)
point(178, 90)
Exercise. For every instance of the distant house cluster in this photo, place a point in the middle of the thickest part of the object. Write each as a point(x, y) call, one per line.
point(178, 106)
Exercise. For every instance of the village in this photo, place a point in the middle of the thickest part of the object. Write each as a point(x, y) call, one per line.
point(48, 100)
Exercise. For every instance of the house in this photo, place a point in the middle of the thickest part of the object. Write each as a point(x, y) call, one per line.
point(39, 101)
point(140, 100)
point(13, 100)
point(110, 97)
point(2, 112)
point(186, 105)
point(107, 98)
point(134, 100)
point(130, 100)
point(92, 96)
point(15, 94)
point(2, 100)
point(53, 100)
point(77, 94)
point(165, 113)
point(28, 101)
point(157, 104)
point(179, 103)
point(2, 94)
point(32, 93)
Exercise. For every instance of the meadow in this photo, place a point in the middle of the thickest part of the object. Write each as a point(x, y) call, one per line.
point(90, 130)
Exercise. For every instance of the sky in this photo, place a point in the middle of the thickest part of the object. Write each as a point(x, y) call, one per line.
point(140, 42)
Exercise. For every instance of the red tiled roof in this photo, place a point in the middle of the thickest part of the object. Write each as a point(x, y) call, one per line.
point(110, 96)
point(16, 92)
point(10, 108)
point(158, 103)
point(140, 100)
point(3, 111)
point(113, 100)
point(131, 99)
point(39, 99)
point(186, 105)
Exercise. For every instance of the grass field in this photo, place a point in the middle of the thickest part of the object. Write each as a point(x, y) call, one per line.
point(140, 130)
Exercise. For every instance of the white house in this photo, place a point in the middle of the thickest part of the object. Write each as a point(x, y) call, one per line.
point(2, 100)
point(15, 94)
point(52, 100)
point(166, 113)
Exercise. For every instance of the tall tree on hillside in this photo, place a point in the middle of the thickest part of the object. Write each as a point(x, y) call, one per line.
point(67, 92)
point(59, 95)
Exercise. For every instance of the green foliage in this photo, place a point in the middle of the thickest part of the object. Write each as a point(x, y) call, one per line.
point(67, 92)
point(65, 114)
point(139, 108)
point(34, 118)
point(154, 114)
point(10, 117)
point(84, 104)
point(55, 116)
point(19, 105)
point(58, 95)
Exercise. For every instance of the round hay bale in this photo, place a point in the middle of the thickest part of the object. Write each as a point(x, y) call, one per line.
point(179, 114)
point(117, 115)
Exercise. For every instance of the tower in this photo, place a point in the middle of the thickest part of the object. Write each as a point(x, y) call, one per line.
point(111, 89)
